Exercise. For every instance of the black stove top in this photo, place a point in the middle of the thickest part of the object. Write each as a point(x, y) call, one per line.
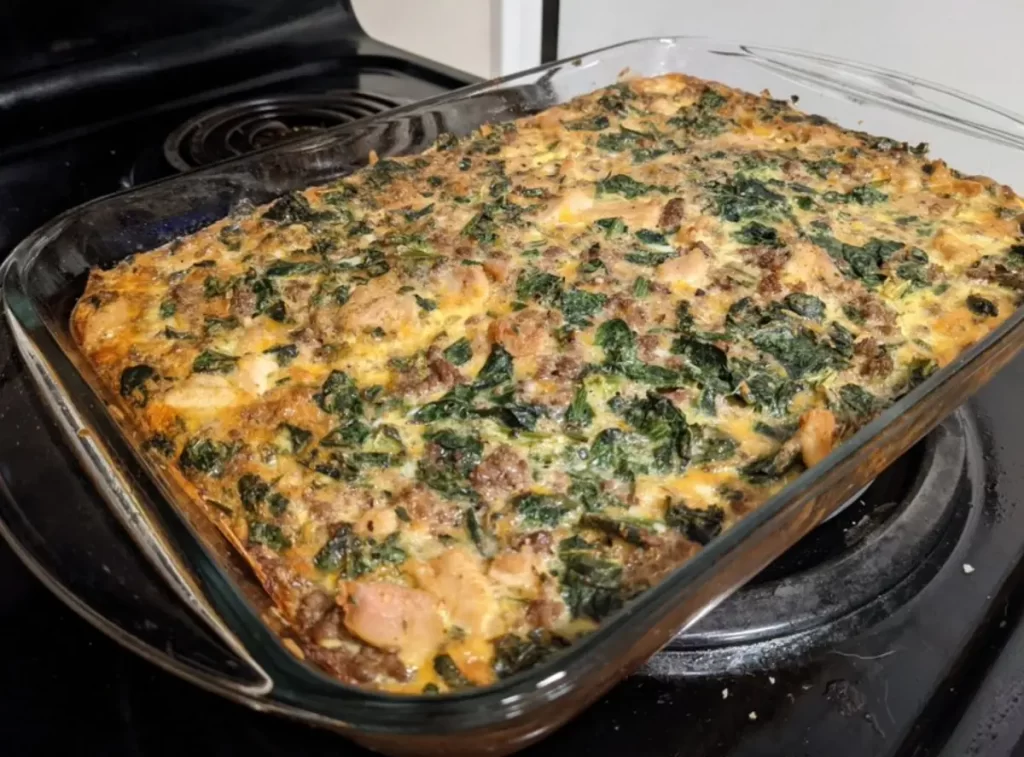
point(893, 629)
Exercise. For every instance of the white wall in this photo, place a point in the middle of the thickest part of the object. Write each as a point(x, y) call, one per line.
point(487, 38)
point(972, 45)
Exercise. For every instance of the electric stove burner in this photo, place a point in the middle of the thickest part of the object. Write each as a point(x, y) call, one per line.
point(249, 125)
point(852, 570)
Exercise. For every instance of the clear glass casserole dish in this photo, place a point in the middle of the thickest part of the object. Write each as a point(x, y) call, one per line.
point(46, 274)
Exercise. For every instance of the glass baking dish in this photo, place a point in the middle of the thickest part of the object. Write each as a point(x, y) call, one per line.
point(47, 272)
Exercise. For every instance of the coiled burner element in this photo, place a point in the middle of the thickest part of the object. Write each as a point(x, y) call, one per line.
point(242, 127)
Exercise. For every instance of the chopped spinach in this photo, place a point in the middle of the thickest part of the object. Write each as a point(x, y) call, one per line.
point(862, 262)
point(252, 490)
point(340, 396)
point(742, 198)
point(612, 227)
point(514, 654)
point(351, 556)
point(268, 535)
point(206, 456)
point(697, 524)
point(806, 305)
point(580, 413)
point(284, 268)
point(292, 439)
point(621, 141)
point(795, 347)
point(591, 586)
point(633, 532)
point(649, 258)
point(579, 305)
point(283, 353)
point(755, 233)
point(214, 325)
point(627, 186)
point(496, 370)
point(458, 353)
point(534, 284)
point(981, 306)
point(588, 123)
point(858, 401)
point(133, 383)
point(211, 361)
point(351, 434)
point(295, 208)
point(540, 510)
point(168, 308)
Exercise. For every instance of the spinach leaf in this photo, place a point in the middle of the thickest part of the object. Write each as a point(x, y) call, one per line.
point(211, 361)
point(657, 418)
point(206, 456)
point(742, 198)
point(626, 186)
point(621, 141)
point(485, 542)
point(591, 586)
point(455, 405)
point(632, 532)
point(806, 305)
point(133, 383)
point(580, 413)
point(981, 306)
point(862, 262)
point(459, 353)
point(587, 123)
point(283, 353)
point(755, 233)
point(214, 325)
point(339, 396)
point(858, 401)
point(268, 535)
point(650, 259)
point(445, 667)
point(294, 208)
point(168, 308)
point(292, 439)
point(350, 556)
point(697, 524)
point(708, 363)
point(283, 268)
point(540, 510)
point(612, 227)
point(514, 654)
point(351, 434)
point(496, 370)
point(252, 490)
point(796, 348)
point(579, 305)
point(427, 305)
point(534, 284)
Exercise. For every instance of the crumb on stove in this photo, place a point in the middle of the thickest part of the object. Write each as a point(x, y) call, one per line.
point(968, 568)
point(725, 693)
point(752, 715)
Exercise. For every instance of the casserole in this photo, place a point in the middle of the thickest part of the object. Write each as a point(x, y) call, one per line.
point(40, 289)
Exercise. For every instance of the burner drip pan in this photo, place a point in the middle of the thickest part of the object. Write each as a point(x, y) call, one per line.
point(867, 560)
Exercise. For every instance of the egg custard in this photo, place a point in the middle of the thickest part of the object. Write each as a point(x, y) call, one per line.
point(457, 408)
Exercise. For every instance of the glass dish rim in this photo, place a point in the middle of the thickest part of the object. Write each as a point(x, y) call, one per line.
point(26, 253)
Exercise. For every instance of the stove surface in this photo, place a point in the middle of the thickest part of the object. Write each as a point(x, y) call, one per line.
point(893, 629)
